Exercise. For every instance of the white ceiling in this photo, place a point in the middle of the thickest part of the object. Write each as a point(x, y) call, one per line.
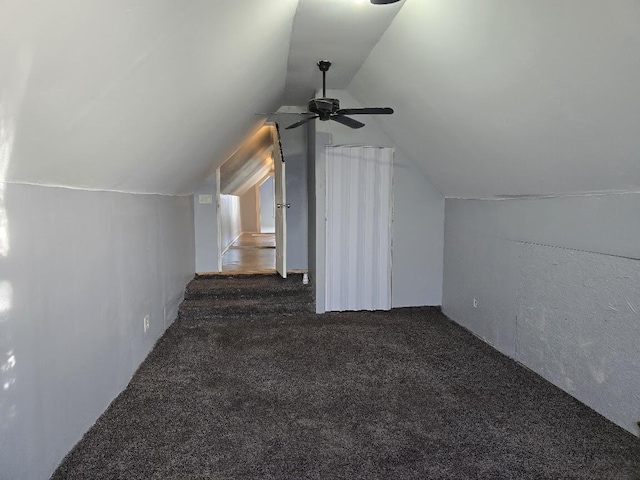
point(135, 95)
point(250, 164)
point(491, 97)
point(498, 97)
point(341, 31)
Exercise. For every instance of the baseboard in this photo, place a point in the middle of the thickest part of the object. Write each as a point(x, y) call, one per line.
point(225, 249)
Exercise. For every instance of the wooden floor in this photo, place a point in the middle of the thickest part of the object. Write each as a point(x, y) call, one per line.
point(251, 253)
point(264, 240)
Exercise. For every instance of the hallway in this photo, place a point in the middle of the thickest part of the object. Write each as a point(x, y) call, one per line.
point(251, 253)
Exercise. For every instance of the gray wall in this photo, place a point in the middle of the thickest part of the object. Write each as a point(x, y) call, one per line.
point(79, 273)
point(418, 215)
point(206, 227)
point(318, 240)
point(557, 284)
point(311, 206)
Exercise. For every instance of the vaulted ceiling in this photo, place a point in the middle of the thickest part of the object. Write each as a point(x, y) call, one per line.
point(250, 164)
point(135, 95)
point(507, 98)
point(492, 98)
point(342, 31)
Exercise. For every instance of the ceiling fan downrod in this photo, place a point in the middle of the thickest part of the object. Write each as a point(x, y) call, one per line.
point(324, 65)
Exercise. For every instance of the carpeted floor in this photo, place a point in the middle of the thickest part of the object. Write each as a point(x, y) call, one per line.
point(364, 395)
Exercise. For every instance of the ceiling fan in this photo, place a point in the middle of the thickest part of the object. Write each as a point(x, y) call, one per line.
point(329, 108)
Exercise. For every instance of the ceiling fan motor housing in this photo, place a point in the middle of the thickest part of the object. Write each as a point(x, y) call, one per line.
point(329, 108)
point(324, 107)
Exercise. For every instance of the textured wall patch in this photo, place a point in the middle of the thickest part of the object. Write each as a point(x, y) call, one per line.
point(578, 326)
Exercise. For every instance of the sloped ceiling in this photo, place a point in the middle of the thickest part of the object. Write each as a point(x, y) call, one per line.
point(492, 97)
point(250, 164)
point(498, 97)
point(341, 31)
point(135, 95)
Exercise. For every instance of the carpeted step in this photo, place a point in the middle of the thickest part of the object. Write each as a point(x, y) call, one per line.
point(208, 308)
point(244, 297)
point(247, 286)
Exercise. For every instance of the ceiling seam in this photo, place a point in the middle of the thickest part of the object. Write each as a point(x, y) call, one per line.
point(551, 195)
point(97, 190)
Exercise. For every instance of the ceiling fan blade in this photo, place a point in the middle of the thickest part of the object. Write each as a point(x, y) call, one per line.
point(301, 122)
point(365, 111)
point(349, 122)
point(282, 113)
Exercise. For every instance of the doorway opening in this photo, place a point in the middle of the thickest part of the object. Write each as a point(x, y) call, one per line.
point(254, 250)
point(251, 223)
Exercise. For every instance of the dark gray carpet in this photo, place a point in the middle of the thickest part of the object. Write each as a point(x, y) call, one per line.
point(288, 394)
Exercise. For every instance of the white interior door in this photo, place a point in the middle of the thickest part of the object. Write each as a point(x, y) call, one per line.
point(358, 228)
point(281, 207)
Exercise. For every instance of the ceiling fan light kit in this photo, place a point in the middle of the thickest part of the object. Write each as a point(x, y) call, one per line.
point(329, 108)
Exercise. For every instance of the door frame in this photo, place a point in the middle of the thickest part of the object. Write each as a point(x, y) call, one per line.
point(278, 158)
point(280, 193)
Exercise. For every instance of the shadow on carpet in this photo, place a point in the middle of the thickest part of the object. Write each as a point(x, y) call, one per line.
point(364, 395)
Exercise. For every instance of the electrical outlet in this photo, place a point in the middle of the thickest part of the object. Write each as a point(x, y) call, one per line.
point(146, 323)
point(475, 303)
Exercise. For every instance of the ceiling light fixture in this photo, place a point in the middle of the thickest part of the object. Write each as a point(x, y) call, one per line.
point(383, 2)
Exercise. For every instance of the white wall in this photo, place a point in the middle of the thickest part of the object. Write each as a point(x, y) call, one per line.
point(230, 222)
point(418, 216)
point(248, 211)
point(267, 206)
point(557, 283)
point(79, 271)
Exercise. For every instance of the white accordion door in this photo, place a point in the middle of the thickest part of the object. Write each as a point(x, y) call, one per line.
point(359, 207)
